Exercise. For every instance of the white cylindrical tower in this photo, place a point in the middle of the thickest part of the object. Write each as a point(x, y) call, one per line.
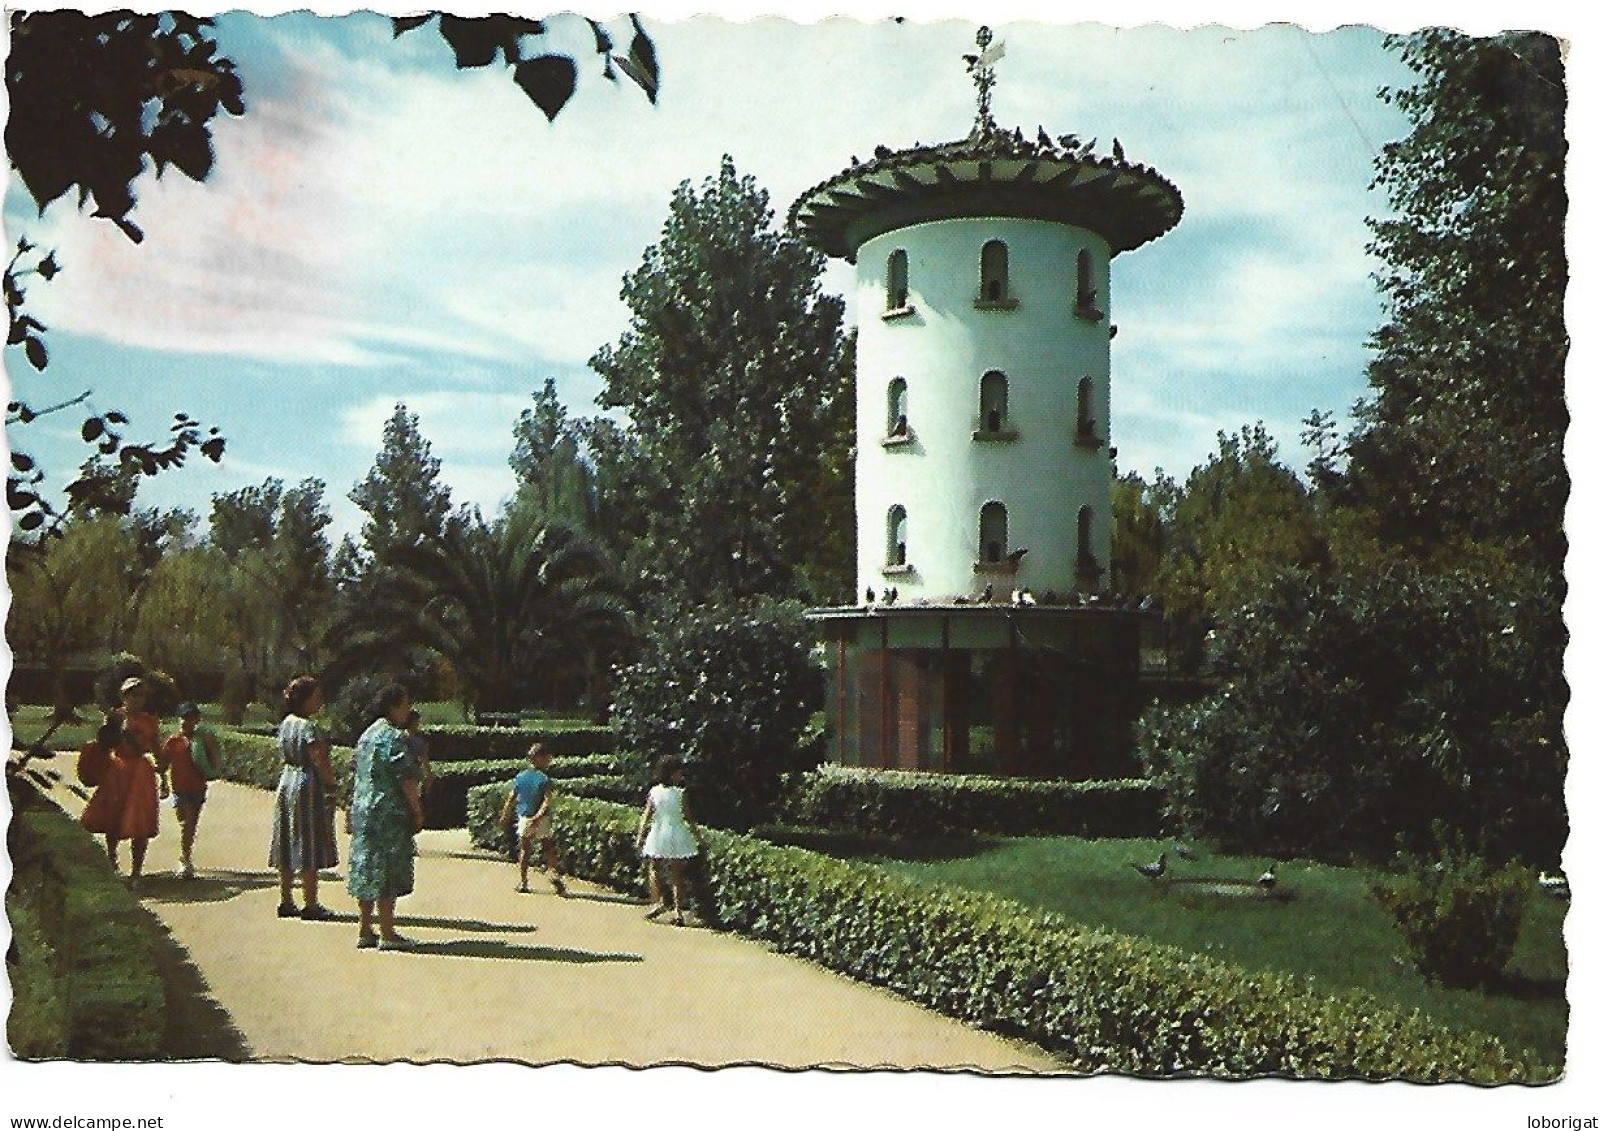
point(983, 375)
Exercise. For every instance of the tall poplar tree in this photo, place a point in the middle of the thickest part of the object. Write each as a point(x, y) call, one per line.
point(731, 371)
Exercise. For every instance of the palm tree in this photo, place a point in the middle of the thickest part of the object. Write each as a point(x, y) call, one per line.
point(523, 608)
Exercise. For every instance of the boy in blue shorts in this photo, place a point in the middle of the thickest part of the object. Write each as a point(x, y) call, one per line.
point(530, 801)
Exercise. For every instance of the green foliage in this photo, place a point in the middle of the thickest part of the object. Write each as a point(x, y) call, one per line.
point(1238, 519)
point(1463, 436)
point(1459, 914)
point(524, 610)
point(39, 1026)
point(161, 692)
point(1103, 1001)
point(352, 708)
point(571, 746)
point(1359, 708)
point(1138, 535)
point(99, 951)
point(445, 800)
point(70, 594)
point(730, 689)
point(900, 803)
point(734, 377)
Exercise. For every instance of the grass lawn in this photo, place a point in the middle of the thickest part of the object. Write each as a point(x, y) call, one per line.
point(1332, 932)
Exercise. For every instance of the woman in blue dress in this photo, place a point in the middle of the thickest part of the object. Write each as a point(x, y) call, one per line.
point(304, 824)
point(385, 813)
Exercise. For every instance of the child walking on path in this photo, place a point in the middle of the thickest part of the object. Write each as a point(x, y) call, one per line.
point(531, 801)
point(667, 833)
point(193, 759)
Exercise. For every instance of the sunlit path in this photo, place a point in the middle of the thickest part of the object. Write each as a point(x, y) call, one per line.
point(520, 977)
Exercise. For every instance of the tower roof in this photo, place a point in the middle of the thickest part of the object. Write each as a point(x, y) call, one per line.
point(991, 172)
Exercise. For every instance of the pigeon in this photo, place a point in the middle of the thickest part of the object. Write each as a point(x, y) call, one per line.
point(1183, 851)
point(1025, 598)
point(1088, 149)
point(1016, 556)
point(1146, 603)
point(1152, 871)
point(1068, 141)
point(988, 592)
point(1116, 150)
point(1555, 886)
point(1267, 879)
point(887, 596)
point(893, 595)
point(963, 600)
point(1044, 139)
point(882, 151)
point(870, 595)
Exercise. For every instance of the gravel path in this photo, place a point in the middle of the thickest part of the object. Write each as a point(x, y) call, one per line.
point(503, 976)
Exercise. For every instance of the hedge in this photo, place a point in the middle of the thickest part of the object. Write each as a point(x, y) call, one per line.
point(255, 760)
point(903, 803)
point(464, 743)
point(85, 974)
point(1105, 1002)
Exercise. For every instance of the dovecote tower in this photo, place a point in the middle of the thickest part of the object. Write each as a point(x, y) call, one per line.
point(983, 472)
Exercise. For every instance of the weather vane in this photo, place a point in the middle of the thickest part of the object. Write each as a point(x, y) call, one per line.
point(981, 67)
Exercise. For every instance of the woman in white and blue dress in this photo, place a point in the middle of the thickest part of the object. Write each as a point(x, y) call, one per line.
point(304, 826)
point(668, 834)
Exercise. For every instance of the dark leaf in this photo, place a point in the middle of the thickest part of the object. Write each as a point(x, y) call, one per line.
point(213, 449)
point(23, 246)
point(474, 41)
point(116, 418)
point(548, 80)
point(31, 521)
point(22, 462)
point(19, 333)
point(600, 38)
point(48, 267)
point(644, 61)
point(38, 356)
point(128, 228)
point(19, 498)
point(401, 24)
point(92, 430)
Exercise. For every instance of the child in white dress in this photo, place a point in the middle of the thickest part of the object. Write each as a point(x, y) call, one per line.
point(667, 833)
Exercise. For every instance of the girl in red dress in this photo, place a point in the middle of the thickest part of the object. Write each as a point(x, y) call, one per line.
point(125, 804)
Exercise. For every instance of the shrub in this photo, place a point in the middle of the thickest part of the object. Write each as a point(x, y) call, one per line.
point(162, 693)
point(730, 689)
point(354, 706)
point(902, 803)
point(1103, 1001)
point(98, 953)
point(1459, 915)
point(235, 697)
point(1355, 710)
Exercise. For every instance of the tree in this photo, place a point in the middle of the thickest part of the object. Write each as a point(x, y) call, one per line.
point(549, 463)
point(282, 602)
point(402, 495)
point(523, 610)
point(69, 595)
point(1355, 710)
point(731, 372)
point(1463, 434)
point(1240, 517)
point(1138, 534)
point(730, 687)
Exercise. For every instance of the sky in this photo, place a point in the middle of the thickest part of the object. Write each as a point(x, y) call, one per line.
point(380, 227)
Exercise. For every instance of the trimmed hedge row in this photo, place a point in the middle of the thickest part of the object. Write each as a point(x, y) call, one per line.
point(903, 803)
point(254, 760)
point(483, 744)
point(86, 978)
point(1103, 1001)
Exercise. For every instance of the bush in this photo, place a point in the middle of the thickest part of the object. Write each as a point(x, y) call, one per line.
point(162, 693)
point(1356, 710)
point(1459, 915)
point(902, 803)
point(235, 697)
point(92, 945)
point(354, 706)
point(730, 689)
point(1103, 1001)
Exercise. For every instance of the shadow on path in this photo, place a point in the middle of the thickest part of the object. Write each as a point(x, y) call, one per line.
point(195, 1026)
point(491, 948)
point(607, 897)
